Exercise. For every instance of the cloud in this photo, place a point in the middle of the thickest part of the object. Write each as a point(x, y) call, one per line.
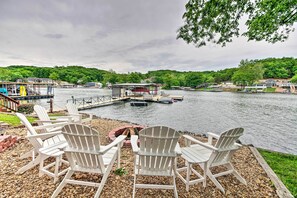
point(155, 43)
point(126, 35)
point(54, 36)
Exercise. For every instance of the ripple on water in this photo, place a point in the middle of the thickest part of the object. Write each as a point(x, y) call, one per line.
point(269, 120)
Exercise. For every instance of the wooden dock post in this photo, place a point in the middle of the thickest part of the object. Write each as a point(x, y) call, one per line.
point(51, 105)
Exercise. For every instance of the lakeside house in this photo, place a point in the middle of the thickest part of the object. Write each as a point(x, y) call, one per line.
point(36, 80)
point(64, 84)
point(94, 84)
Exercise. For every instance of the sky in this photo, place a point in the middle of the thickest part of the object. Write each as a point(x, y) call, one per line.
point(122, 35)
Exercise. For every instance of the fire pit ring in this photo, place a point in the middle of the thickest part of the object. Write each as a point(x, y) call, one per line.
point(113, 134)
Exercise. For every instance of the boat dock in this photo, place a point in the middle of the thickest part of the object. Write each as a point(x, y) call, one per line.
point(141, 92)
point(96, 101)
point(156, 98)
point(32, 97)
point(99, 101)
point(28, 90)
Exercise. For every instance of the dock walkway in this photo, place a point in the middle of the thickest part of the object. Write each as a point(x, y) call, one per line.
point(99, 101)
point(95, 101)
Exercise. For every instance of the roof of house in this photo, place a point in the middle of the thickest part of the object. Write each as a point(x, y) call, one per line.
point(135, 85)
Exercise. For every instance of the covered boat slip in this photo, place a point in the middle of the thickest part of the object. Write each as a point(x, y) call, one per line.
point(142, 92)
point(139, 94)
point(28, 90)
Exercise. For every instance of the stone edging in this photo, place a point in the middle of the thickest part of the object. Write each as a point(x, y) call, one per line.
point(281, 189)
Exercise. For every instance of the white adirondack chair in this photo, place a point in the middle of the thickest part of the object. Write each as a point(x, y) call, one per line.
point(156, 155)
point(209, 155)
point(77, 117)
point(50, 142)
point(85, 154)
point(44, 118)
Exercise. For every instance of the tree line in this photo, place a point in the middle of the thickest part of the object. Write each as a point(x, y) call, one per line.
point(247, 73)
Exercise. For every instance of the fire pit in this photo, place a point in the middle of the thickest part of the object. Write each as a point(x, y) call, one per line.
point(127, 130)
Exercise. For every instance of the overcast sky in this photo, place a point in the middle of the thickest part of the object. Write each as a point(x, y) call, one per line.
point(123, 35)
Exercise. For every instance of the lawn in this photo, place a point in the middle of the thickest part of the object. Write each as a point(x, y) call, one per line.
point(285, 166)
point(270, 90)
point(13, 120)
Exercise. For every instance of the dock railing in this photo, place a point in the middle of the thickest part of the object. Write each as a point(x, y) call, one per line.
point(87, 102)
point(8, 103)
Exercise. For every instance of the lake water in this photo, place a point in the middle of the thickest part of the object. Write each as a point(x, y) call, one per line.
point(269, 120)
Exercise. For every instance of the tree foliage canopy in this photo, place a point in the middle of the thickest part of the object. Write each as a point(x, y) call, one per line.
point(217, 21)
point(248, 72)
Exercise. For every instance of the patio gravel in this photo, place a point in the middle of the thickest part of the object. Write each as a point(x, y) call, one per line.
point(29, 184)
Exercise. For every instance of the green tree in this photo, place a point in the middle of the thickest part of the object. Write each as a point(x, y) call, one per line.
point(54, 76)
point(84, 80)
point(294, 79)
point(134, 77)
point(193, 79)
point(248, 73)
point(170, 80)
point(217, 21)
point(111, 78)
point(15, 76)
point(5, 74)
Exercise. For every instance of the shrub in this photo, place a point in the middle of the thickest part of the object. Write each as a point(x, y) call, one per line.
point(26, 108)
point(120, 171)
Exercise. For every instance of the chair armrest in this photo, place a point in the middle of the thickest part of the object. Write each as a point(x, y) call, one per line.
point(75, 115)
point(51, 125)
point(177, 149)
point(117, 141)
point(206, 145)
point(49, 121)
point(213, 135)
point(68, 118)
point(43, 135)
point(57, 117)
point(79, 116)
point(134, 139)
point(210, 136)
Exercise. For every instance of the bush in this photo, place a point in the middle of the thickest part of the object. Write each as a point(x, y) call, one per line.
point(26, 108)
point(120, 171)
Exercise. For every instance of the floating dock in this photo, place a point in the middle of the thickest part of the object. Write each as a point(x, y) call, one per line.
point(138, 103)
point(96, 101)
point(32, 97)
point(157, 98)
point(99, 101)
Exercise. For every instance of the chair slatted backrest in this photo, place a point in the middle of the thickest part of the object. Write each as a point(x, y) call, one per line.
point(36, 142)
point(226, 145)
point(83, 147)
point(42, 114)
point(72, 110)
point(157, 148)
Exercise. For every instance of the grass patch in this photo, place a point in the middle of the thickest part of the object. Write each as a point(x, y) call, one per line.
point(285, 166)
point(120, 171)
point(13, 119)
point(57, 114)
point(270, 90)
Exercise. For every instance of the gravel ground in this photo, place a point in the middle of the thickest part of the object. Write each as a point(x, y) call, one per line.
point(29, 184)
